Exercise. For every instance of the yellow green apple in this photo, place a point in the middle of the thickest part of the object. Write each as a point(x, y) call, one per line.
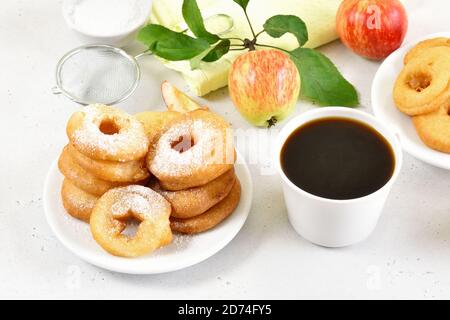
point(264, 86)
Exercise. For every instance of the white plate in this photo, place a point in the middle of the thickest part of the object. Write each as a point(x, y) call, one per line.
point(385, 109)
point(184, 252)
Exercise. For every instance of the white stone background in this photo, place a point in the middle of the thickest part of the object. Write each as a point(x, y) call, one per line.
point(408, 256)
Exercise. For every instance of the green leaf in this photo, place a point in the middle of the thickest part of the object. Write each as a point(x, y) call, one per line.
point(212, 54)
point(218, 51)
point(194, 20)
point(152, 33)
point(321, 80)
point(171, 45)
point(195, 62)
point(180, 48)
point(242, 3)
point(278, 26)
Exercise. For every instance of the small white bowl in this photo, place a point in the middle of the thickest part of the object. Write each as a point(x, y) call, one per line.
point(121, 39)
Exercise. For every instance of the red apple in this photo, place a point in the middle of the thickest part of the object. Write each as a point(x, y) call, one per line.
point(264, 86)
point(372, 28)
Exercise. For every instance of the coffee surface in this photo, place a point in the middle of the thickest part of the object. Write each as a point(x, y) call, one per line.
point(337, 158)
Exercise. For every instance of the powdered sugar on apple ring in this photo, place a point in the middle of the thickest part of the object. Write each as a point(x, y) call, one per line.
point(212, 217)
point(78, 203)
point(194, 151)
point(105, 133)
point(110, 216)
point(139, 200)
point(130, 171)
point(195, 201)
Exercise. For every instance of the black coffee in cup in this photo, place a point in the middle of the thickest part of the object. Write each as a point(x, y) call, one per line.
point(338, 158)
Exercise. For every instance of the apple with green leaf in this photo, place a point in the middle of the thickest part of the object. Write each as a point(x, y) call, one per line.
point(264, 86)
point(264, 82)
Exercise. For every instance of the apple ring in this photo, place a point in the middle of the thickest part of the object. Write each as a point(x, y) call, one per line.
point(195, 201)
point(114, 209)
point(156, 122)
point(434, 128)
point(423, 85)
point(130, 171)
point(105, 133)
point(83, 179)
point(195, 150)
point(78, 203)
point(420, 48)
point(212, 217)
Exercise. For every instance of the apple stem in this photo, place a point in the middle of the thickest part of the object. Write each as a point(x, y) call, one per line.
point(272, 122)
point(250, 23)
point(250, 44)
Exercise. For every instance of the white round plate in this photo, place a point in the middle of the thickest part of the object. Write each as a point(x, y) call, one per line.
point(385, 109)
point(184, 251)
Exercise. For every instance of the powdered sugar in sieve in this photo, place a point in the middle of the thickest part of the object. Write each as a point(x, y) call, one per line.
point(97, 74)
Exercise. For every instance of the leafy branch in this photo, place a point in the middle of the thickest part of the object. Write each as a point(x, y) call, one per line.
point(322, 83)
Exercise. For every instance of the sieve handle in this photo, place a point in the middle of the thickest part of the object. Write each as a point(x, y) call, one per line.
point(143, 54)
point(56, 90)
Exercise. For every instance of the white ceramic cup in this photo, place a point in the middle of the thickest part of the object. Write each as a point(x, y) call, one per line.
point(328, 222)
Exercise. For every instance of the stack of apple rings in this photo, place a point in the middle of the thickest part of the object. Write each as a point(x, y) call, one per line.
point(422, 91)
point(193, 164)
point(107, 150)
point(111, 157)
point(104, 169)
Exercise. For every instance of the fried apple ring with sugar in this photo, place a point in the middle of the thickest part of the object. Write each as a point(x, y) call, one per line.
point(195, 150)
point(115, 208)
point(83, 179)
point(156, 122)
point(434, 128)
point(421, 47)
point(212, 217)
point(78, 203)
point(195, 201)
point(423, 85)
point(106, 133)
point(130, 171)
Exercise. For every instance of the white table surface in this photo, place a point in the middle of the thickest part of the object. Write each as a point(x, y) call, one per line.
point(408, 256)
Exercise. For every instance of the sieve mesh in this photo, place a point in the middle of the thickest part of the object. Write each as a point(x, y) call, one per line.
point(97, 74)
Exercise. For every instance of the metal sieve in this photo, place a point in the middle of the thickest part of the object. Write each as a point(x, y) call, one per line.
point(104, 74)
point(97, 73)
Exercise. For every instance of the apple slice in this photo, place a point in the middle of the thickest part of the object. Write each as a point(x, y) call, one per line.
point(176, 100)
